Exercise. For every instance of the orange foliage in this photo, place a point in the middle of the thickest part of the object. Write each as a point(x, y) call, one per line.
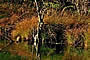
point(10, 20)
point(57, 19)
point(13, 18)
point(25, 27)
point(3, 21)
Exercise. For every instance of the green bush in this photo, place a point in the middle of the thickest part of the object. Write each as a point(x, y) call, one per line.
point(46, 51)
point(8, 56)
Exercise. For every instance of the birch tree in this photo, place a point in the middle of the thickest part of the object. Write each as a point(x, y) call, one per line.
point(86, 7)
point(37, 38)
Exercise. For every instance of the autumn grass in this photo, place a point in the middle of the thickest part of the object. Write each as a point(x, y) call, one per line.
point(26, 26)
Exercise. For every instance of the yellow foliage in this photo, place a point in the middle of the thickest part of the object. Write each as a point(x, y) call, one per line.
point(25, 27)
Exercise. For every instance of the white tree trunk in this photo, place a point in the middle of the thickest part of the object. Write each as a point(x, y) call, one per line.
point(38, 38)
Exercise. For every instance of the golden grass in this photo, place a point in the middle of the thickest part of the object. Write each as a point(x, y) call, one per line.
point(25, 27)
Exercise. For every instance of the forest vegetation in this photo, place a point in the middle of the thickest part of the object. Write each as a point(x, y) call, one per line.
point(64, 33)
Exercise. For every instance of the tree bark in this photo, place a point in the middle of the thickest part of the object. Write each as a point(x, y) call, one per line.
point(39, 28)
